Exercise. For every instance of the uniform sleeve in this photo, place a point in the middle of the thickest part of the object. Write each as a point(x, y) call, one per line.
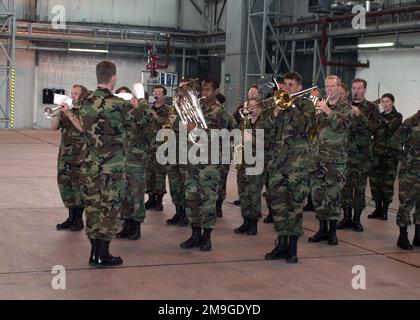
point(340, 119)
point(398, 140)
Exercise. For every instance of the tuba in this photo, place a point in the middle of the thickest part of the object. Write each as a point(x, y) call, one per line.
point(187, 106)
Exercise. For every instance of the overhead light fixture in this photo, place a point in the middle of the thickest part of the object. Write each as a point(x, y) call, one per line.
point(88, 50)
point(376, 45)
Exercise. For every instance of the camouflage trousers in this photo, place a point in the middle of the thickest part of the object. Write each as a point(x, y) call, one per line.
point(327, 184)
point(201, 193)
point(382, 178)
point(68, 178)
point(354, 191)
point(155, 176)
point(133, 206)
point(266, 193)
point(249, 189)
point(176, 176)
point(409, 196)
point(289, 190)
point(104, 195)
point(223, 181)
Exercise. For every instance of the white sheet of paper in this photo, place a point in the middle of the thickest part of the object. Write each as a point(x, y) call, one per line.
point(138, 90)
point(60, 99)
point(126, 96)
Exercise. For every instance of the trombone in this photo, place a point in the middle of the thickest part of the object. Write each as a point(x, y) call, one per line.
point(283, 99)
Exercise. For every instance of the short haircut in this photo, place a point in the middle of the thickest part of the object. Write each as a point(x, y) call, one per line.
point(360, 80)
point(122, 89)
point(213, 81)
point(221, 98)
point(333, 77)
point(83, 91)
point(105, 70)
point(390, 96)
point(345, 87)
point(161, 87)
point(293, 76)
point(258, 101)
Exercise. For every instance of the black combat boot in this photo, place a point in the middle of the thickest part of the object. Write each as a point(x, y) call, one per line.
point(194, 240)
point(416, 239)
point(237, 202)
point(159, 206)
point(346, 223)
point(243, 227)
point(176, 217)
point(102, 257)
point(219, 212)
point(384, 212)
point(332, 239)
point(322, 233)
point(292, 250)
point(403, 241)
point(69, 221)
point(252, 227)
point(357, 226)
point(92, 251)
point(125, 231)
point(269, 218)
point(378, 210)
point(309, 205)
point(280, 250)
point(78, 224)
point(206, 242)
point(151, 202)
point(135, 232)
point(183, 221)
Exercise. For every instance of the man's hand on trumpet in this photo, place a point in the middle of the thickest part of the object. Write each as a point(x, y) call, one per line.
point(355, 110)
point(323, 106)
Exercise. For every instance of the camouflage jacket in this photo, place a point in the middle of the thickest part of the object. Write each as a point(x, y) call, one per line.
point(382, 134)
point(405, 143)
point(71, 143)
point(216, 118)
point(290, 138)
point(140, 136)
point(105, 119)
point(359, 145)
point(371, 112)
point(161, 116)
point(331, 134)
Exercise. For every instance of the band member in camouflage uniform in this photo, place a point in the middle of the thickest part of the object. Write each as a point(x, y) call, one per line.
point(384, 164)
point(289, 169)
point(250, 186)
point(365, 115)
point(104, 120)
point(139, 145)
point(156, 173)
point(332, 125)
point(406, 141)
point(68, 173)
point(202, 180)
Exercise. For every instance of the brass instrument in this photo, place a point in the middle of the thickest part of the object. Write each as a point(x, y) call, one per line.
point(168, 124)
point(53, 112)
point(239, 149)
point(187, 106)
point(283, 99)
point(316, 100)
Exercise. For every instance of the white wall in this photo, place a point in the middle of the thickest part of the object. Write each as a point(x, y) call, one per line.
point(397, 71)
point(161, 13)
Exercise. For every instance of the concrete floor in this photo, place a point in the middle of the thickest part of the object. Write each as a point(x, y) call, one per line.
point(156, 268)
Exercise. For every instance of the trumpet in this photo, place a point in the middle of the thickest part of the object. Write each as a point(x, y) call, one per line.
point(283, 99)
point(53, 112)
point(316, 100)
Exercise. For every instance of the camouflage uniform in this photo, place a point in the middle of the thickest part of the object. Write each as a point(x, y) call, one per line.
point(384, 164)
point(289, 167)
point(358, 163)
point(140, 136)
point(407, 139)
point(330, 152)
point(250, 186)
point(156, 173)
point(68, 168)
point(203, 180)
point(104, 119)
